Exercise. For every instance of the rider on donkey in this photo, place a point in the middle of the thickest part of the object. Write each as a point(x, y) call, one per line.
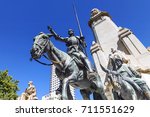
point(131, 76)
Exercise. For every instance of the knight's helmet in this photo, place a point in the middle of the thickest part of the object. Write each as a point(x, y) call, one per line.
point(70, 32)
point(41, 33)
point(115, 63)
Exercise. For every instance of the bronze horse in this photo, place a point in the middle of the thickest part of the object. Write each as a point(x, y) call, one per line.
point(67, 70)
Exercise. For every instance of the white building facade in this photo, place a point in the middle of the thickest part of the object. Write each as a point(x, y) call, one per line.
point(54, 85)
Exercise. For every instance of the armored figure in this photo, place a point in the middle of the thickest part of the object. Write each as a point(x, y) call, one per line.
point(75, 46)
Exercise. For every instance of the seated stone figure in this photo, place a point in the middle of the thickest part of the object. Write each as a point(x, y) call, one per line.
point(30, 93)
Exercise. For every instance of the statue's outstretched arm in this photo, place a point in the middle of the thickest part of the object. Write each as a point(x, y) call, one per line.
point(109, 71)
point(57, 37)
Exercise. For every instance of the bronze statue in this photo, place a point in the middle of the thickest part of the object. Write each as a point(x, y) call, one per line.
point(66, 68)
point(75, 45)
point(129, 80)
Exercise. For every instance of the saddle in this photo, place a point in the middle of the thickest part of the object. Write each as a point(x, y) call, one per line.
point(78, 62)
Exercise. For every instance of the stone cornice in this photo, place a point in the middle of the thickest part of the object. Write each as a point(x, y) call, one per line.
point(124, 32)
point(97, 17)
point(95, 47)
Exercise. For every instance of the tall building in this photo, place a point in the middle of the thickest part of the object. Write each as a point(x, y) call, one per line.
point(54, 84)
point(108, 35)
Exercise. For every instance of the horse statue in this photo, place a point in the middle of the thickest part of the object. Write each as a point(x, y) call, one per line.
point(66, 69)
point(121, 88)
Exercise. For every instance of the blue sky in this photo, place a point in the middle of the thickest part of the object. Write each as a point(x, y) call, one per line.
point(21, 20)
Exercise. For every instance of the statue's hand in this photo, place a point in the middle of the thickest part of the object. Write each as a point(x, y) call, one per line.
point(49, 28)
point(52, 31)
point(82, 38)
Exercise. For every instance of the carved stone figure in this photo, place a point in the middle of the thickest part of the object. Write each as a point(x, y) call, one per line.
point(30, 92)
point(66, 68)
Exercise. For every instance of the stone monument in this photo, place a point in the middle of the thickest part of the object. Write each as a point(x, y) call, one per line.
point(108, 35)
point(29, 93)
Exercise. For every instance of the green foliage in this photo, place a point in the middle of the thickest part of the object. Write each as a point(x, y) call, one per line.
point(8, 86)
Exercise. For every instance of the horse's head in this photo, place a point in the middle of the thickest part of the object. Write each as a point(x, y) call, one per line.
point(39, 45)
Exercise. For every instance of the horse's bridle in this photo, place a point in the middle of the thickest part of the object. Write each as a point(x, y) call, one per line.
point(42, 47)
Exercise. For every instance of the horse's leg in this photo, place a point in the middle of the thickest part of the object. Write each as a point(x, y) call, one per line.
point(72, 71)
point(85, 94)
point(65, 85)
point(100, 89)
point(97, 96)
point(70, 97)
point(59, 90)
point(101, 93)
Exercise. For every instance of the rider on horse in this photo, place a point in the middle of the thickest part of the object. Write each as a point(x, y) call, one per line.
point(75, 45)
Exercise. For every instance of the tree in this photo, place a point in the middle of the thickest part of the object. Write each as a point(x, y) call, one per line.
point(8, 86)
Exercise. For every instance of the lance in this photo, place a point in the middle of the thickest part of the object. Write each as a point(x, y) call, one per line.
point(78, 23)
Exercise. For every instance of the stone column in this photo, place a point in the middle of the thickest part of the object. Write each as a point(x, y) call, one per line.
point(124, 37)
point(104, 29)
point(135, 48)
point(99, 58)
